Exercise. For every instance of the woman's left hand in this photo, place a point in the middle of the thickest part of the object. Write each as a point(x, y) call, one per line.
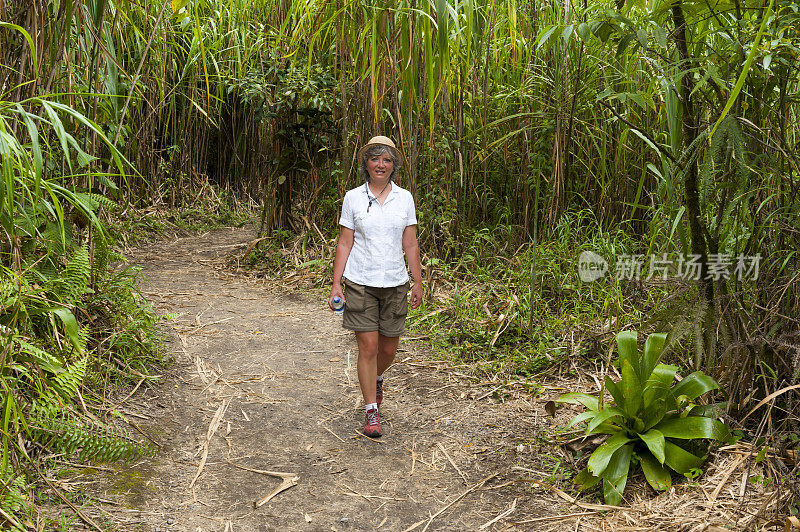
point(416, 295)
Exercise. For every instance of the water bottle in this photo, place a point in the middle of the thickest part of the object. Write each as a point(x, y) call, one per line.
point(338, 305)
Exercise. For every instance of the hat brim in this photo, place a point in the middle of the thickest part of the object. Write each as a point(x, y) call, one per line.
point(365, 147)
point(399, 152)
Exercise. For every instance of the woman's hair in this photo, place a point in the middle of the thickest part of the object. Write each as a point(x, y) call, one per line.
point(371, 152)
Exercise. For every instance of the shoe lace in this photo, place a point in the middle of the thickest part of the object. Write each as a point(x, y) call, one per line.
point(372, 417)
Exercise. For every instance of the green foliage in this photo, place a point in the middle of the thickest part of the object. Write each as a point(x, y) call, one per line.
point(514, 116)
point(650, 421)
point(483, 309)
point(126, 324)
point(86, 440)
point(15, 499)
point(56, 293)
point(286, 255)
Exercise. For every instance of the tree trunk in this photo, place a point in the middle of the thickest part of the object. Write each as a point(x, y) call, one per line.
point(692, 195)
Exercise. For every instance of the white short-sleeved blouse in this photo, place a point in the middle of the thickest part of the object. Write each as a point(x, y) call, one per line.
point(376, 258)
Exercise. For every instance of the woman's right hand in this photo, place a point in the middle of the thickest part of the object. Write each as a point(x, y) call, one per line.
point(336, 290)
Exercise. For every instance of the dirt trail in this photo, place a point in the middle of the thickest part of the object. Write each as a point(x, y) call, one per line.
point(276, 374)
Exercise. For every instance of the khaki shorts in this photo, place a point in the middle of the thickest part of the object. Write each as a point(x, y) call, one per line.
point(375, 309)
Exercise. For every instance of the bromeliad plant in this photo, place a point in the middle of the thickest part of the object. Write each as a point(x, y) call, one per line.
point(647, 420)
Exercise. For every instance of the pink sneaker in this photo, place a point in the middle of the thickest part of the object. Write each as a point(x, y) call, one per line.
point(372, 423)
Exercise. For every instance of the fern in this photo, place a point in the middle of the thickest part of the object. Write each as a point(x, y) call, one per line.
point(75, 280)
point(84, 439)
point(52, 240)
point(102, 254)
point(14, 497)
point(94, 201)
point(39, 356)
point(686, 320)
point(68, 381)
point(8, 293)
point(726, 156)
point(689, 155)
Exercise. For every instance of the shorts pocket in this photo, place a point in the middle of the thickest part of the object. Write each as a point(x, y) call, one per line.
point(354, 296)
point(400, 302)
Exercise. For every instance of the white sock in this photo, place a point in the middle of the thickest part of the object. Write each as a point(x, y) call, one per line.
point(371, 406)
point(380, 378)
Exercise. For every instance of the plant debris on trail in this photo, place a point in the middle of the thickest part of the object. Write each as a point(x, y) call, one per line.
point(257, 424)
point(264, 385)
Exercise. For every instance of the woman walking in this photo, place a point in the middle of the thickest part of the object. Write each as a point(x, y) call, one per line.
point(378, 224)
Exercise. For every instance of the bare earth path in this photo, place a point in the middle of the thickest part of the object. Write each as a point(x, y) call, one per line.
point(266, 380)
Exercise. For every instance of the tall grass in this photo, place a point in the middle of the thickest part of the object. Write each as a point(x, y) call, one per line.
point(511, 114)
point(493, 104)
point(59, 300)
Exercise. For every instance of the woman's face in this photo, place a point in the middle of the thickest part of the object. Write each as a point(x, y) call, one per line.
point(380, 166)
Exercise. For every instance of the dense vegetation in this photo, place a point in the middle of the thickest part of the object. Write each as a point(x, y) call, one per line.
point(532, 132)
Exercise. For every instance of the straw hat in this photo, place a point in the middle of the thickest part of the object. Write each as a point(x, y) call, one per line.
point(378, 141)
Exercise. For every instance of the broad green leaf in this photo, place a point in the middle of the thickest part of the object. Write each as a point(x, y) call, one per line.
point(566, 34)
point(602, 455)
point(691, 428)
point(679, 459)
point(545, 36)
point(654, 413)
point(606, 428)
point(580, 418)
point(639, 100)
point(615, 392)
point(660, 34)
point(711, 410)
point(584, 31)
point(659, 383)
point(602, 29)
point(695, 385)
point(626, 345)
point(631, 389)
point(585, 480)
point(641, 36)
point(656, 474)
point(615, 476)
point(579, 398)
point(603, 416)
point(655, 442)
point(623, 44)
point(71, 327)
point(177, 5)
point(653, 348)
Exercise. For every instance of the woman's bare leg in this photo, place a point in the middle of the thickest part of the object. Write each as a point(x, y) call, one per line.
point(367, 363)
point(387, 349)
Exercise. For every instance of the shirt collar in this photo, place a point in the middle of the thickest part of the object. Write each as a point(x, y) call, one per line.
point(393, 192)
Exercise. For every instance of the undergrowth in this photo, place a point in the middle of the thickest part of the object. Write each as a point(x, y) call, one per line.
point(519, 312)
point(523, 312)
point(209, 208)
point(483, 306)
point(73, 330)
